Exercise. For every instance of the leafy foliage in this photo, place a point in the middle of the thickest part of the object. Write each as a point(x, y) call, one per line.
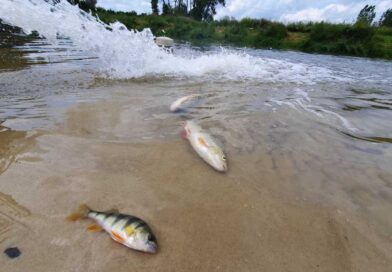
point(367, 15)
point(85, 5)
point(386, 18)
point(166, 8)
point(154, 7)
point(205, 9)
point(197, 9)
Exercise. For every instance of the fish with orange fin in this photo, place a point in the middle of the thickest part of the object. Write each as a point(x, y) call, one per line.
point(204, 146)
point(125, 229)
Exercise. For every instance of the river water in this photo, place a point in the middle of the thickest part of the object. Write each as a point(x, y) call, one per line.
point(86, 118)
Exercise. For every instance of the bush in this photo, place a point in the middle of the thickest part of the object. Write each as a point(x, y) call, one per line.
point(157, 23)
point(248, 22)
point(225, 21)
point(360, 32)
point(276, 31)
point(324, 32)
point(300, 27)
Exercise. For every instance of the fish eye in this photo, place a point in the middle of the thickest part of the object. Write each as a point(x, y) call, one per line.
point(223, 158)
point(151, 238)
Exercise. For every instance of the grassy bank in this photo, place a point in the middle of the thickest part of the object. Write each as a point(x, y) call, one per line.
point(340, 39)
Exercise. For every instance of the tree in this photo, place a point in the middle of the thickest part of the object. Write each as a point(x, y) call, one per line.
point(85, 5)
point(367, 15)
point(180, 8)
point(205, 9)
point(154, 7)
point(386, 18)
point(166, 8)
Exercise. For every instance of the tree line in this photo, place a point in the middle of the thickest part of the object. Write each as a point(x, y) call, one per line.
point(197, 9)
point(204, 10)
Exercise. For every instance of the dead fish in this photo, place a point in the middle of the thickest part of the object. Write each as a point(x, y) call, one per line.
point(205, 146)
point(125, 229)
point(179, 103)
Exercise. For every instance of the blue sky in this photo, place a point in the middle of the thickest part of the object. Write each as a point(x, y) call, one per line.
point(281, 10)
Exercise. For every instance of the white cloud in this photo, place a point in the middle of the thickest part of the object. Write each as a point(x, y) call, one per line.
point(140, 6)
point(301, 10)
point(383, 6)
point(332, 12)
point(310, 14)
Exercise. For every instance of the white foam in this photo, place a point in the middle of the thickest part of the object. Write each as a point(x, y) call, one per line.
point(343, 120)
point(302, 101)
point(126, 53)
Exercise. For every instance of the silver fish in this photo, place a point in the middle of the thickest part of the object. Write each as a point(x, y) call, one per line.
point(179, 103)
point(205, 146)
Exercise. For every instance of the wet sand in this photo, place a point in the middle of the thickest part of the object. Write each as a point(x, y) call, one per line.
point(254, 218)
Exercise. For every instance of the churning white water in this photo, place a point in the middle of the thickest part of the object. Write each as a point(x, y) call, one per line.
point(124, 53)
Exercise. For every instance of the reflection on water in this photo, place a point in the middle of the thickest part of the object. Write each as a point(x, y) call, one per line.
point(12, 59)
point(19, 51)
point(367, 99)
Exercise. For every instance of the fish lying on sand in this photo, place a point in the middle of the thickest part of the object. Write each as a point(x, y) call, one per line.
point(205, 146)
point(179, 103)
point(128, 230)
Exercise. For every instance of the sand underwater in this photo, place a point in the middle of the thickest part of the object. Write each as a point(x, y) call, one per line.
point(252, 218)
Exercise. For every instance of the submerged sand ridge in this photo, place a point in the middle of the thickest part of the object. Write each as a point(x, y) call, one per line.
point(11, 216)
point(12, 143)
point(245, 220)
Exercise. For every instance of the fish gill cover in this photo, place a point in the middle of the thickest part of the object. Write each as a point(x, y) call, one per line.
point(123, 53)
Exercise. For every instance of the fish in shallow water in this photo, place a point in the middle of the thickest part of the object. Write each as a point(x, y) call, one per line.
point(125, 229)
point(179, 103)
point(205, 146)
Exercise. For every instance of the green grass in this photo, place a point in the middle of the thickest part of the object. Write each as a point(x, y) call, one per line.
point(338, 39)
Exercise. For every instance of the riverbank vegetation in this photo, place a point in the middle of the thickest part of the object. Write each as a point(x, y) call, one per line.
point(363, 38)
point(192, 21)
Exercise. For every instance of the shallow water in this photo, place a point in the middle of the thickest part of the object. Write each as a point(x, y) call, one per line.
point(308, 140)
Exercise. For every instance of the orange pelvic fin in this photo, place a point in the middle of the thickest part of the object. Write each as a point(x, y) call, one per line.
point(94, 228)
point(117, 237)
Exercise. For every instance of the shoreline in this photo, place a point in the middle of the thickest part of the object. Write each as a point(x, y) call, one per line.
point(294, 41)
point(335, 39)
